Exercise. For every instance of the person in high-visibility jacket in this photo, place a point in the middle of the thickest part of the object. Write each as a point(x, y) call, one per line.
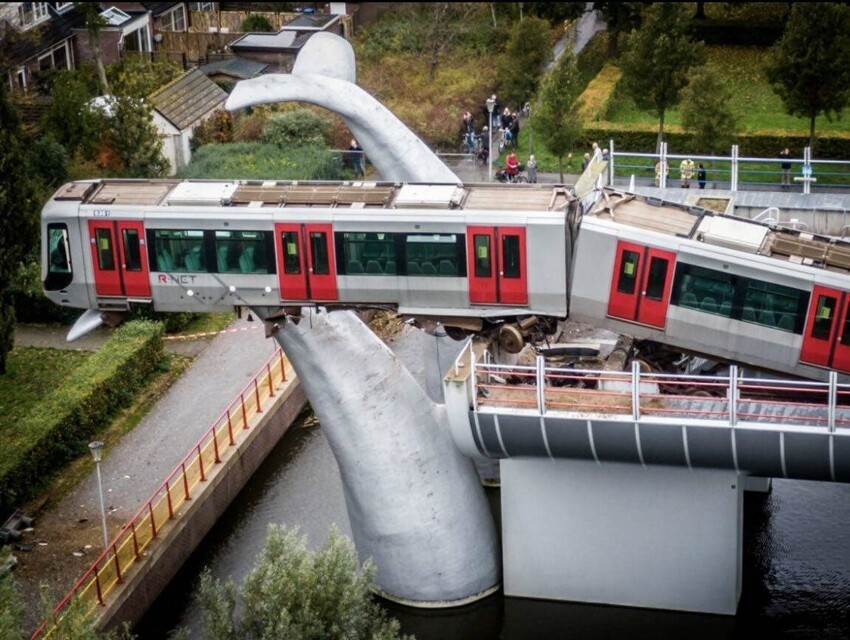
point(686, 169)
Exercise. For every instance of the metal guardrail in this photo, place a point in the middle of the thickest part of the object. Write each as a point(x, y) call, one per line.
point(128, 545)
point(725, 398)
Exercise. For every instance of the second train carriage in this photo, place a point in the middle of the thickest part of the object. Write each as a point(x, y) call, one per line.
point(720, 286)
point(462, 255)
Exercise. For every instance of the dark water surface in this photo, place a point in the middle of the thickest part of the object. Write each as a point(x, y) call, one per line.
point(796, 564)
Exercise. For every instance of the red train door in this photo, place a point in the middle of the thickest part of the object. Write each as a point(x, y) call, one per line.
point(119, 258)
point(826, 338)
point(496, 265)
point(641, 285)
point(307, 262)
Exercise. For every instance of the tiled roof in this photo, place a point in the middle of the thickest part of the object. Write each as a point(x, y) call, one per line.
point(187, 99)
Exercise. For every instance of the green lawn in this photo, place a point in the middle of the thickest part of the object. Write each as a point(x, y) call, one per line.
point(758, 106)
point(31, 374)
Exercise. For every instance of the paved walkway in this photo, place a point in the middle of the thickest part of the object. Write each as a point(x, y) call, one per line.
point(134, 467)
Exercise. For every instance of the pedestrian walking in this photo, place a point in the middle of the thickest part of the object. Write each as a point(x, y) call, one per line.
point(785, 165)
point(686, 172)
point(531, 167)
point(701, 175)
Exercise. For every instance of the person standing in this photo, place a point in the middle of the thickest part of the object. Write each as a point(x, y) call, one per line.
point(701, 175)
point(531, 167)
point(785, 156)
point(585, 161)
point(686, 171)
point(511, 166)
point(660, 169)
point(358, 159)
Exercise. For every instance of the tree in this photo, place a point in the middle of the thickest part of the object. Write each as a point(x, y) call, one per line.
point(138, 77)
point(69, 119)
point(256, 23)
point(18, 216)
point(810, 65)
point(134, 145)
point(555, 116)
point(296, 593)
point(526, 52)
point(706, 111)
point(620, 17)
point(448, 21)
point(658, 59)
point(94, 23)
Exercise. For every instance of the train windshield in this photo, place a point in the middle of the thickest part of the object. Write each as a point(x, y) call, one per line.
point(59, 273)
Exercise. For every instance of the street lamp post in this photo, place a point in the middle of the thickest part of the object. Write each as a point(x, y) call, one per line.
point(96, 449)
point(491, 103)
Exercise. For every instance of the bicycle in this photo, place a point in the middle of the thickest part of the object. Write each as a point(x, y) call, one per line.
point(517, 178)
point(470, 144)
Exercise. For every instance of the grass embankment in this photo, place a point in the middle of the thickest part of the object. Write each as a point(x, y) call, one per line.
point(260, 161)
point(757, 106)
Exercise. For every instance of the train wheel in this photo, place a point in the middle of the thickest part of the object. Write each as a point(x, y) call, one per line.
point(511, 339)
point(456, 333)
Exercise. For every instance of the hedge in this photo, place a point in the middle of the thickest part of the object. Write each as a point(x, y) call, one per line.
point(597, 97)
point(761, 144)
point(60, 427)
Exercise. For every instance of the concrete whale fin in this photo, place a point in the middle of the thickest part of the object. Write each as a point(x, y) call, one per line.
point(86, 323)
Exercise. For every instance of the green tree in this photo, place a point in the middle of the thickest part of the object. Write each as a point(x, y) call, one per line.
point(295, 593)
point(522, 64)
point(18, 216)
point(620, 17)
point(658, 59)
point(707, 112)
point(555, 115)
point(810, 65)
point(137, 77)
point(134, 141)
point(68, 118)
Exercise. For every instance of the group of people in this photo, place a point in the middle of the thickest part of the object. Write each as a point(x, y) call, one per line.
point(687, 168)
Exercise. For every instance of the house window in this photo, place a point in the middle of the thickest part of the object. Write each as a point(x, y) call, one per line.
point(61, 6)
point(56, 58)
point(138, 40)
point(174, 20)
point(30, 13)
point(202, 6)
point(21, 78)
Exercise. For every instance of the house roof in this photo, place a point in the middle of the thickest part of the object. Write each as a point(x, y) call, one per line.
point(280, 42)
point(311, 22)
point(239, 68)
point(58, 28)
point(187, 99)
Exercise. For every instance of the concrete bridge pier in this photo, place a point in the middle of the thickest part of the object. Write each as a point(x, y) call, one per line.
point(414, 501)
point(620, 534)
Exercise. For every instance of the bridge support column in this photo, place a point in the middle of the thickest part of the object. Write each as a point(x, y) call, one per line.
point(414, 502)
point(661, 538)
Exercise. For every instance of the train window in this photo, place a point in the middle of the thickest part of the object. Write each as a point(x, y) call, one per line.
point(319, 253)
point(179, 250)
point(434, 254)
point(368, 253)
point(103, 242)
point(824, 317)
point(482, 256)
point(704, 289)
point(242, 252)
point(510, 255)
point(59, 273)
point(774, 305)
point(628, 272)
point(291, 252)
point(132, 251)
point(657, 278)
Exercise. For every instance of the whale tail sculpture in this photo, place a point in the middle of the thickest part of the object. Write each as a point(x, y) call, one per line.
point(324, 74)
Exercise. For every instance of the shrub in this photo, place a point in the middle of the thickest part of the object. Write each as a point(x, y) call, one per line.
point(29, 301)
point(254, 160)
point(249, 127)
point(256, 22)
point(297, 127)
point(50, 160)
point(592, 58)
point(217, 129)
point(596, 98)
point(60, 427)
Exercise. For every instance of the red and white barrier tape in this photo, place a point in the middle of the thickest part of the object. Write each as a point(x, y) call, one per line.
point(205, 334)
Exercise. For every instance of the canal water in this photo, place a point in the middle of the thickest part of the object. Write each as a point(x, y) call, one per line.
point(796, 562)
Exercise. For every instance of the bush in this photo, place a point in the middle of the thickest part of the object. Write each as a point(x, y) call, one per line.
point(249, 127)
point(29, 301)
point(592, 58)
point(217, 129)
point(299, 127)
point(596, 98)
point(254, 160)
point(50, 161)
point(61, 426)
point(256, 22)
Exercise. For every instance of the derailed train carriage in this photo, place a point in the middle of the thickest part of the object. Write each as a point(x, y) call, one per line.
point(514, 258)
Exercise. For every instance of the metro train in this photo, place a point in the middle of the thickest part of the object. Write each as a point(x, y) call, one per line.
point(473, 257)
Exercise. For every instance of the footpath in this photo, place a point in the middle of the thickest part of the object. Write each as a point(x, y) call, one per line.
point(68, 538)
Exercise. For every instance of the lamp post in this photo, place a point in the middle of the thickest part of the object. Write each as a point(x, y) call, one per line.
point(96, 449)
point(490, 104)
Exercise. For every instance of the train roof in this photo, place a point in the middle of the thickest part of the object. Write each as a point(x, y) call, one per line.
point(349, 195)
point(719, 229)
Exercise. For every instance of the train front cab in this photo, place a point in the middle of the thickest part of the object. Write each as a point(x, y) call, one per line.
point(119, 262)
